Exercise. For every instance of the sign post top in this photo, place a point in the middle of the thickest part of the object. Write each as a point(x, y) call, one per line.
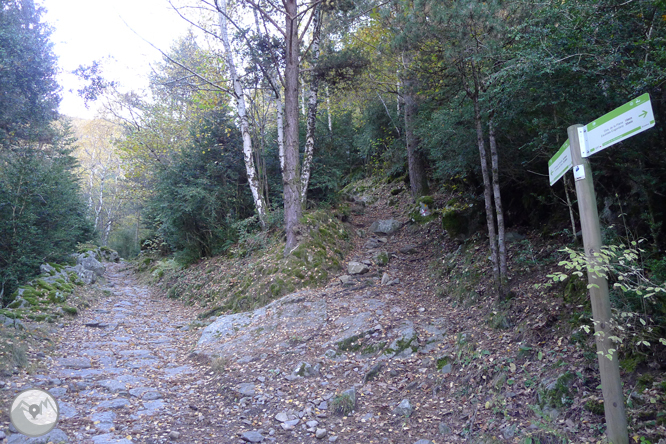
point(626, 121)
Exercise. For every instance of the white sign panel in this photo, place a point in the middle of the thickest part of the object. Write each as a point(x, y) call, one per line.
point(621, 123)
point(560, 163)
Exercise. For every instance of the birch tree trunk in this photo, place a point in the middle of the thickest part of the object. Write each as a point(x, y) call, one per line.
point(290, 178)
point(100, 198)
point(280, 128)
point(312, 109)
point(328, 111)
point(243, 118)
point(499, 211)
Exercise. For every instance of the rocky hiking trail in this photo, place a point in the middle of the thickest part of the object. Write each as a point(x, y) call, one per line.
point(359, 361)
point(119, 367)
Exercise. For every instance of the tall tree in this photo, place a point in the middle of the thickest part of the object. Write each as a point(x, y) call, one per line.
point(42, 216)
point(241, 110)
point(30, 93)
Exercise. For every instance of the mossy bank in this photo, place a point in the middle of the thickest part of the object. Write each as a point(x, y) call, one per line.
point(240, 281)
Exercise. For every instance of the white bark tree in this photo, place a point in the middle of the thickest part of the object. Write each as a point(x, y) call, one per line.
point(241, 111)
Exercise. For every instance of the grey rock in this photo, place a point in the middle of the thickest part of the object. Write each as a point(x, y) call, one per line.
point(109, 255)
point(389, 226)
point(446, 369)
point(58, 392)
point(103, 420)
point(174, 435)
point(112, 385)
point(46, 269)
point(320, 433)
point(2, 435)
point(139, 391)
point(176, 371)
point(424, 441)
point(386, 278)
point(54, 436)
point(373, 372)
point(371, 243)
point(407, 338)
point(509, 432)
point(109, 438)
point(253, 436)
point(150, 408)
point(323, 405)
point(304, 369)
point(332, 438)
point(443, 429)
point(67, 410)
point(114, 403)
point(151, 395)
point(345, 279)
point(88, 261)
point(282, 417)
point(356, 324)
point(232, 335)
point(246, 389)
point(312, 424)
point(11, 323)
point(409, 249)
point(404, 408)
point(75, 363)
point(357, 268)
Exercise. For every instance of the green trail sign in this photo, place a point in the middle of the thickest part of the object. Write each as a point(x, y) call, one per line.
point(626, 121)
point(583, 141)
point(560, 163)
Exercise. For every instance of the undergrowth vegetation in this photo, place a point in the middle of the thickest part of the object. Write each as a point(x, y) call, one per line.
point(254, 270)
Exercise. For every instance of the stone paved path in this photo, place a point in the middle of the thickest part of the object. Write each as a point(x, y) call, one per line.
point(123, 368)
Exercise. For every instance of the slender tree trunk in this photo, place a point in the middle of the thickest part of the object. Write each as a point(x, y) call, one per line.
point(100, 198)
point(499, 212)
point(487, 191)
point(243, 118)
point(415, 161)
point(138, 228)
point(91, 178)
point(290, 179)
point(571, 211)
point(279, 106)
point(312, 109)
point(328, 111)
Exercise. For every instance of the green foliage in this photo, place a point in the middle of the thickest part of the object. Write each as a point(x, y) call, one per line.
point(29, 99)
point(343, 404)
point(638, 303)
point(198, 197)
point(42, 217)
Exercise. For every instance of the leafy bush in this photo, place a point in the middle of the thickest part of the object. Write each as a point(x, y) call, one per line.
point(199, 196)
point(42, 217)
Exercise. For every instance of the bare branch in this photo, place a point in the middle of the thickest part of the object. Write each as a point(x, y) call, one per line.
point(177, 63)
point(266, 17)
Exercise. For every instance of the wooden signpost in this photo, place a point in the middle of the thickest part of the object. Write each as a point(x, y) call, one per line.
point(624, 122)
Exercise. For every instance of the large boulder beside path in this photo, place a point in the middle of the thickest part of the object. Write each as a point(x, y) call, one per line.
point(388, 226)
